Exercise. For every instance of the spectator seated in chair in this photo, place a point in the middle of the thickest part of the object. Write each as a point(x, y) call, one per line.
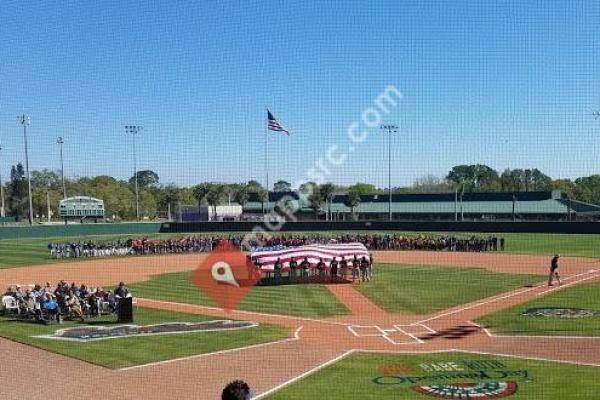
point(49, 308)
point(74, 305)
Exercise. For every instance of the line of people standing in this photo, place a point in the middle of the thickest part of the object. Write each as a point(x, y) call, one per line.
point(334, 271)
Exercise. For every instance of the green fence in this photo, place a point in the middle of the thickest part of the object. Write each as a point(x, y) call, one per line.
point(44, 231)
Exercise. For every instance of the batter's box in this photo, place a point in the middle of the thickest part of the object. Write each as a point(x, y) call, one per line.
point(358, 330)
point(400, 337)
point(415, 329)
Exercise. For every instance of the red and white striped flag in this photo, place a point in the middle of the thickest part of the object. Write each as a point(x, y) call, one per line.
point(274, 125)
point(266, 259)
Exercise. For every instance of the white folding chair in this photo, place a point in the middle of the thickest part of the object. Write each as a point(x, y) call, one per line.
point(10, 304)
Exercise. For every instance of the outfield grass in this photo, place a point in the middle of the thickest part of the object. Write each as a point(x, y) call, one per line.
point(23, 252)
point(306, 300)
point(126, 352)
point(379, 377)
point(511, 322)
point(420, 289)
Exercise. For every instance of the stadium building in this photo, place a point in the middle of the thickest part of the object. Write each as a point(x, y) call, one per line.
point(81, 207)
point(493, 206)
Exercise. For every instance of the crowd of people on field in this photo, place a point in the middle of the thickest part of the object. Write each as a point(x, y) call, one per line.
point(48, 302)
point(205, 243)
point(378, 241)
point(337, 270)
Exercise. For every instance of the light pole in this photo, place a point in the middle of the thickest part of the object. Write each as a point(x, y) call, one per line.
point(2, 209)
point(134, 130)
point(390, 129)
point(60, 142)
point(24, 121)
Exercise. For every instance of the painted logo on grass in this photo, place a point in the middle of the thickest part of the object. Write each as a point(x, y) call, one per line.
point(226, 276)
point(91, 333)
point(482, 390)
point(560, 312)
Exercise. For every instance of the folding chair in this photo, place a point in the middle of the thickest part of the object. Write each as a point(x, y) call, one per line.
point(10, 304)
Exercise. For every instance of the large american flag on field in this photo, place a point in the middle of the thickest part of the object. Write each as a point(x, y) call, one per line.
point(314, 252)
point(274, 125)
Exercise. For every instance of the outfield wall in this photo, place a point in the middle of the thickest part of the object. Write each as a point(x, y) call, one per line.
point(42, 231)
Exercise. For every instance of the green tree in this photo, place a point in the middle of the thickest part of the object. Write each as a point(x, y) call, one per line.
point(364, 188)
point(145, 178)
point(242, 195)
point(168, 196)
point(477, 177)
point(282, 186)
point(17, 192)
point(200, 191)
point(431, 184)
point(45, 179)
point(540, 181)
point(215, 195)
point(588, 189)
point(327, 193)
point(315, 200)
point(352, 200)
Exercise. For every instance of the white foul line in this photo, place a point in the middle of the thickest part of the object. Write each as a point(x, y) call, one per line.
point(303, 375)
point(493, 335)
point(195, 356)
point(557, 288)
point(200, 307)
point(494, 299)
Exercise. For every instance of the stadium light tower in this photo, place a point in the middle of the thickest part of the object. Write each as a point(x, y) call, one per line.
point(60, 142)
point(2, 206)
point(24, 121)
point(390, 129)
point(134, 130)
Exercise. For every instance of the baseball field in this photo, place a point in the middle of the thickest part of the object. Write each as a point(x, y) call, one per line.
point(430, 324)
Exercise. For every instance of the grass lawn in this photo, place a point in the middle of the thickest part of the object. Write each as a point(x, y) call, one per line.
point(308, 300)
point(125, 352)
point(548, 244)
point(380, 377)
point(426, 289)
point(510, 321)
point(22, 252)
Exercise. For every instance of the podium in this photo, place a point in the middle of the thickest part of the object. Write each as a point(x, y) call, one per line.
point(125, 310)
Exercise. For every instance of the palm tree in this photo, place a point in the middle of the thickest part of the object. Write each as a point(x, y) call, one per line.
point(215, 196)
point(327, 193)
point(169, 195)
point(352, 200)
point(200, 191)
point(315, 200)
point(241, 196)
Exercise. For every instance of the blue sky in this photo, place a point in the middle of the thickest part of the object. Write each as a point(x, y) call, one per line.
point(506, 83)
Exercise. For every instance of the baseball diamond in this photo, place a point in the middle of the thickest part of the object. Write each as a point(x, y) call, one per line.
point(297, 200)
point(313, 343)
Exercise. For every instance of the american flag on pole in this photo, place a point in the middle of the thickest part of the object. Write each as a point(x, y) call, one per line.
point(274, 125)
point(314, 252)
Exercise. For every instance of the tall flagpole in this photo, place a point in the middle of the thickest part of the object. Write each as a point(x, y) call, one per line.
point(266, 159)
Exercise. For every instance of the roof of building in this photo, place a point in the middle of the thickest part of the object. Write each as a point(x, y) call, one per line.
point(548, 203)
point(80, 199)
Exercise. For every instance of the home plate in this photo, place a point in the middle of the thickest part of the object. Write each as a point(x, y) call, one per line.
point(399, 337)
point(415, 329)
point(359, 331)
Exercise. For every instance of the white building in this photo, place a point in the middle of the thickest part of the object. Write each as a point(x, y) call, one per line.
point(81, 207)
